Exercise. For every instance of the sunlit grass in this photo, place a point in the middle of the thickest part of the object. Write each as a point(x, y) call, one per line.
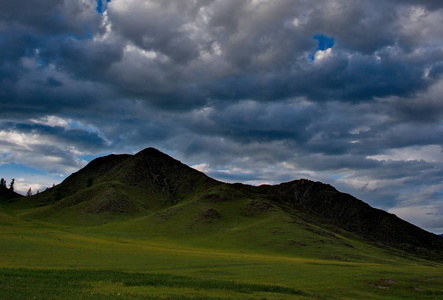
point(55, 262)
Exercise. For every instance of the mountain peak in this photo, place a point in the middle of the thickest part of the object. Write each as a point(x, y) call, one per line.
point(150, 151)
point(148, 169)
point(153, 154)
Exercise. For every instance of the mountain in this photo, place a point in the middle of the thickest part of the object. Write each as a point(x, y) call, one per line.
point(151, 195)
point(122, 184)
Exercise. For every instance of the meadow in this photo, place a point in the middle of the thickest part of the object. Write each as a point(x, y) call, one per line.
point(48, 261)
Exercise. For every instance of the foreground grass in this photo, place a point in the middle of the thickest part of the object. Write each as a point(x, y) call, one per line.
point(54, 262)
point(62, 284)
point(98, 284)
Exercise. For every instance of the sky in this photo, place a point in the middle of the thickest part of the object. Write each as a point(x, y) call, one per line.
point(347, 92)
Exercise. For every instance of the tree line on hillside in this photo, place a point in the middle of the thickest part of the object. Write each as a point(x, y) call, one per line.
point(4, 186)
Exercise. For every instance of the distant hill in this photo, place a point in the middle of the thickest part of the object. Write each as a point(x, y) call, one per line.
point(152, 195)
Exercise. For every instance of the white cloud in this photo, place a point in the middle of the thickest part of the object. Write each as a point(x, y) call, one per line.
point(203, 167)
point(367, 184)
point(11, 140)
point(52, 121)
point(359, 130)
point(40, 149)
point(322, 55)
point(430, 153)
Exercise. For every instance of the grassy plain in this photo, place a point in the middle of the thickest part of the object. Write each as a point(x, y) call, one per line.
point(41, 260)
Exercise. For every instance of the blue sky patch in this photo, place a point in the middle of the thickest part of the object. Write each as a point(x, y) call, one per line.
point(17, 170)
point(324, 42)
point(102, 5)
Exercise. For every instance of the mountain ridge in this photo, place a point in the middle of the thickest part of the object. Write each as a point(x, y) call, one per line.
point(153, 187)
point(352, 214)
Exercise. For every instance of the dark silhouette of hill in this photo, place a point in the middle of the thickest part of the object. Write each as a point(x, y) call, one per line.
point(154, 169)
point(149, 169)
point(7, 194)
point(353, 215)
point(122, 184)
point(153, 185)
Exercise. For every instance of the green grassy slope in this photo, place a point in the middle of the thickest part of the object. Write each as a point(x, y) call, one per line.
point(344, 211)
point(115, 187)
point(152, 190)
point(238, 223)
point(51, 261)
point(230, 217)
point(147, 225)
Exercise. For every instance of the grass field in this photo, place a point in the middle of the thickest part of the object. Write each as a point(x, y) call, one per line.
point(47, 261)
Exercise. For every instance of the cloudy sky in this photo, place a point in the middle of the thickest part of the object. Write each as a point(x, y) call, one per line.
point(347, 92)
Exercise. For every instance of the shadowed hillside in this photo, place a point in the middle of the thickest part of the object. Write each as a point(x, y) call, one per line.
point(151, 195)
point(353, 215)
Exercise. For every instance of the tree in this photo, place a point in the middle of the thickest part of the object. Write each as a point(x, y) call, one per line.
point(29, 193)
point(2, 183)
point(11, 185)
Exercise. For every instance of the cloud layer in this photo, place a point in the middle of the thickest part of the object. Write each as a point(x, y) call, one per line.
point(257, 91)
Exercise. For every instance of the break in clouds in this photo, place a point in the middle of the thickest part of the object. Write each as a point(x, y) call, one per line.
point(344, 92)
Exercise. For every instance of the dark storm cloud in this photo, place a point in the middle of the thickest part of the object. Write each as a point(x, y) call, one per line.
point(27, 25)
point(347, 92)
point(251, 121)
point(180, 55)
